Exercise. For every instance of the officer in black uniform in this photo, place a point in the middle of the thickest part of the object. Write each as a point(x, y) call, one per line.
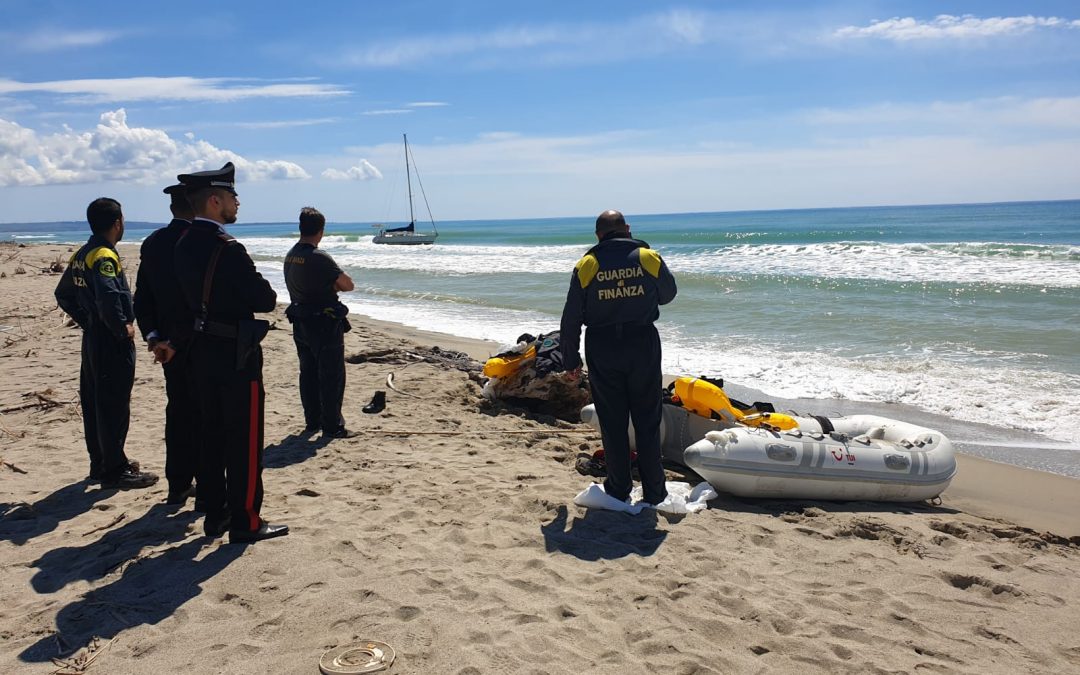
point(223, 290)
point(166, 325)
point(94, 291)
point(319, 326)
point(616, 290)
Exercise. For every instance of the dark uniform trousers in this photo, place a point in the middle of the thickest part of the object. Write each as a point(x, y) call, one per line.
point(320, 344)
point(624, 376)
point(181, 425)
point(105, 380)
point(231, 411)
point(228, 385)
point(161, 310)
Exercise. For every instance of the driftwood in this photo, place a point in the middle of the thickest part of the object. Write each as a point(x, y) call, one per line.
point(8, 341)
point(44, 402)
point(105, 527)
point(4, 462)
point(77, 665)
point(390, 383)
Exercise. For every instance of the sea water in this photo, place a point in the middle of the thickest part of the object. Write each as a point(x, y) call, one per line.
point(968, 311)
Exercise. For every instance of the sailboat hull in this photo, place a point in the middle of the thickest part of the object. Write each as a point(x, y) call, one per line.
point(404, 238)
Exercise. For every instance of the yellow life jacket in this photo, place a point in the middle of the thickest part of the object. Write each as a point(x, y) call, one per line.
point(504, 366)
point(706, 399)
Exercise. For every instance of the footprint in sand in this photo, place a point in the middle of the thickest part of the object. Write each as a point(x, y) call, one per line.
point(966, 582)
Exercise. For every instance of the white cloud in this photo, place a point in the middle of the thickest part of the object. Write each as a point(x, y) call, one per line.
point(548, 43)
point(947, 26)
point(427, 104)
point(999, 113)
point(365, 170)
point(55, 39)
point(287, 124)
point(114, 151)
point(169, 89)
point(392, 111)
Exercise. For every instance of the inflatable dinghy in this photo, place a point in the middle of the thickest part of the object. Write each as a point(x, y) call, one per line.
point(863, 457)
point(857, 457)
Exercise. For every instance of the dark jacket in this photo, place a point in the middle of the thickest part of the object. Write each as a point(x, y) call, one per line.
point(237, 291)
point(619, 282)
point(160, 308)
point(94, 290)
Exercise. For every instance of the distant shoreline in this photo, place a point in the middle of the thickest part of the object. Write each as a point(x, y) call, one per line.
point(141, 223)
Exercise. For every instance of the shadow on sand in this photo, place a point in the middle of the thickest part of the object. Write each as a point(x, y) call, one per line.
point(293, 449)
point(781, 507)
point(61, 566)
point(22, 522)
point(149, 590)
point(603, 535)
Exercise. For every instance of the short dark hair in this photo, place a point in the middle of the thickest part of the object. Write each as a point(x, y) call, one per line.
point(610, 221)
point(102, 214)
point(181, 206)
point(311, 221)
point(198, 197)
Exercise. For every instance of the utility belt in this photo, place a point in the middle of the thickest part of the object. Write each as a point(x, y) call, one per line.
point(247, 333)
point(216, 328)
point(298, 311)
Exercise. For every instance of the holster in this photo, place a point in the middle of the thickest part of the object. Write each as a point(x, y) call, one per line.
point(302, 312)
point(249, 333)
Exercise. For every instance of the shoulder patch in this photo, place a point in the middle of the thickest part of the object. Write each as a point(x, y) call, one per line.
point(586, 269)
point(650, 260)
point(109, 261)
point(107, 268)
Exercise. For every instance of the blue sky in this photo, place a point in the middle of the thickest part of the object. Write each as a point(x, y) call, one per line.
point(519, 110)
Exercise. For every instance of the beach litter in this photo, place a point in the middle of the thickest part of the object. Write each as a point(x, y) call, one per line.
point(530, 375)
point(366, 657)
point(681, 499)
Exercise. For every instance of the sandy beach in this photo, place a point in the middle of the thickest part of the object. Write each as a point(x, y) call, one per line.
point(446, 529)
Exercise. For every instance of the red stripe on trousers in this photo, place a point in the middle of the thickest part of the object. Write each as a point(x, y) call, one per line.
point(253, 458)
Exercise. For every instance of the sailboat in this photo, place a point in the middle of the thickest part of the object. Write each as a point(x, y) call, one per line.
point(407, 234)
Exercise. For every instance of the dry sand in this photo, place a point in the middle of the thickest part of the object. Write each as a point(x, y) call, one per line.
point(465, 553)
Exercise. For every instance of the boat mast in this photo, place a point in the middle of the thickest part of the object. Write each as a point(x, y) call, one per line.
point(408, 179)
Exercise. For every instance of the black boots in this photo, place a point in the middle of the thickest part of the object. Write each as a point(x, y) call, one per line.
point(378, 403)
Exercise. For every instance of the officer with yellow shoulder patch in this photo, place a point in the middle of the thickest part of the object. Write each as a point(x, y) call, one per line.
point(94, 291)
point(616, 290)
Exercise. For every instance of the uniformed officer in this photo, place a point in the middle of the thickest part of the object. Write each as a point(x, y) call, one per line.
point(319, 326)
point(166, 325)
point(616, 290)
point(223, 290)
point(94, 291)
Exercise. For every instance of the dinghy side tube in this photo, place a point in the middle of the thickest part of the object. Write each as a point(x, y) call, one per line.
point(865, 457)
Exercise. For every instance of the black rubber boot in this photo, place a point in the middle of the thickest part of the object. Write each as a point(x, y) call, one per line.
point(378, 403)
